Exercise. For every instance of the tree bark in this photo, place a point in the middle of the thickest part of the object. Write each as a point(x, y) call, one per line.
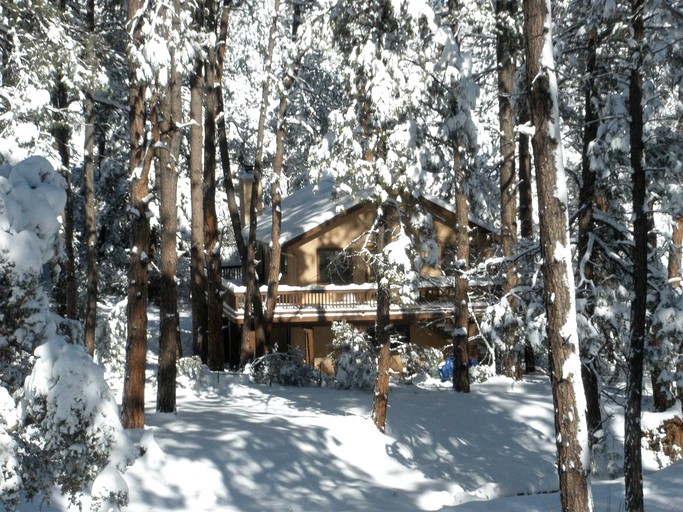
point(526, 209)
point(214, 324)
point(89, 194)
point(169, 335)
point(676, 253)
point(633, 465)
point(133, 405)
point(256, 200)
point(382, 337)
point(198, 283)
point(505, 13)
point(67, 286)
point(526, 204)
point(461, 373)
point(587, 201)
point(290, 75)
point(561, 330)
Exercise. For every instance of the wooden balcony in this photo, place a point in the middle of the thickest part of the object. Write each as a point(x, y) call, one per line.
point(321, 304)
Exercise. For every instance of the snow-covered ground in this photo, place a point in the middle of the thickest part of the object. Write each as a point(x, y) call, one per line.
point(237, 446)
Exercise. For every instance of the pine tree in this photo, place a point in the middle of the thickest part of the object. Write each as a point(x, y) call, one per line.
point(565, 365)
point(133, 405)
point(633, 468)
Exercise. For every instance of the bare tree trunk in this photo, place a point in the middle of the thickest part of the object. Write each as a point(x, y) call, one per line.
point(587, 200)
point(505, 13)
point(461, 373)
point(275, 192)
point(382, 338)
point(526, 203)
point(214, 331)
point(565, 364)
point(169, 334)
point(133, 406)
point(674, 268)
point(256, 201)
point(526, 209)
point(89, 194)
point(67, 287)
point(633, 465)
point(198, 284)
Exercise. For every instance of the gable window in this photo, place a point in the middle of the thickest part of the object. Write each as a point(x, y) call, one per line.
point(335, 266)
point(284, 264)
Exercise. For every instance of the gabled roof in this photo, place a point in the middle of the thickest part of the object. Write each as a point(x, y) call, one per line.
point(311, 207)
point(305, 210)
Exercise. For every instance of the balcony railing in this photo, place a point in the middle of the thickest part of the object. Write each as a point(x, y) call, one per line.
point(337, 301)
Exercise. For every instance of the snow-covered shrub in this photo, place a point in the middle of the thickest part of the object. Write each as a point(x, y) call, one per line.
point(32, 196)
point(190, 367)
point(110, 340)
point(23, 322)
point(285, 368)
point(665, 347)
point(501, 324)
point(71, 422)
point(481, 372)
point(354, 357)
point(418, 360)
point(10, 477)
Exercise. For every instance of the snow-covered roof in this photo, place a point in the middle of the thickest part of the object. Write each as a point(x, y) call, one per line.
point(451, 208)
point(305, 210)
point(313, 206)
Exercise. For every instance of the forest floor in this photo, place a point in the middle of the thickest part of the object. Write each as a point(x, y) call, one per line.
point(237, 446)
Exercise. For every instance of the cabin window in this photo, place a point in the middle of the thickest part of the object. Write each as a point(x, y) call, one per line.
point(335, 266)
point(284, 264)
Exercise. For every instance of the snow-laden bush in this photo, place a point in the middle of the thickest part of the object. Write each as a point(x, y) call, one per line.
point(10, 471)
point(110, 341)
point(481, 372)
point(501, 324)
point(354, 357)
point(71, 422)
point(23, 322)
point(665, 346)
point(190, 367)
point(418, 360)
point(285, 368)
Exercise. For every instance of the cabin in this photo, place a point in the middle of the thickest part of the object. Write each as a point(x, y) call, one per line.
point(323, 278)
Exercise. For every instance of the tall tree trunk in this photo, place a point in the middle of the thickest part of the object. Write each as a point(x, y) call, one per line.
point(290, 75)
point(676, 253)
point(382, 337)
point(565, 364)
point(587, 201)
point(526, 202)
point(674, 270)
point(89, 193)
point(461, 373)
point(67, 287)
point(133, 406)
point(633, 465)
point(505, 15)
point(169, 334)
point(526, 209)
point(256, 201)
point(198, 283)
point(214, 334)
